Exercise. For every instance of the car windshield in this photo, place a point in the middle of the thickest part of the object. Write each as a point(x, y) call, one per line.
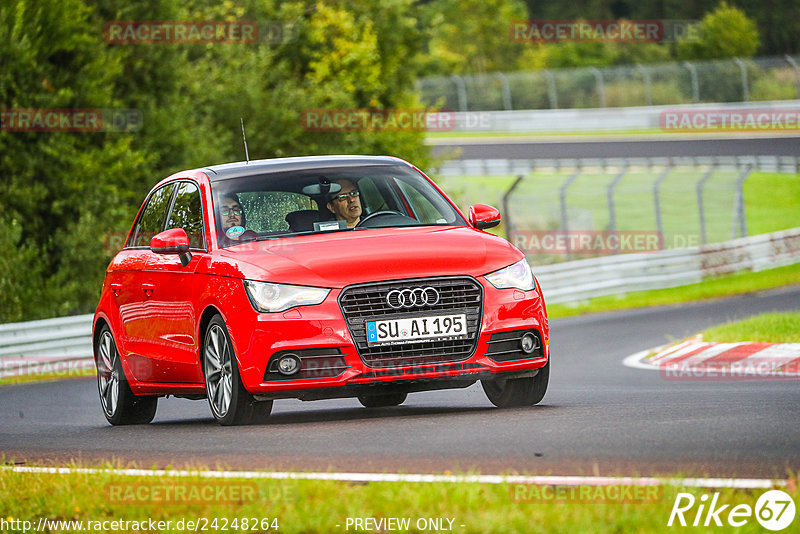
point(275, 205)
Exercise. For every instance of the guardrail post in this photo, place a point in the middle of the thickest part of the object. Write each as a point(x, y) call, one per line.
point(601, 87)
point(648, 86)
point(506, 196)
point(657, 201)
point(793, 63)
point(552, 93)
point(695, 84)
point(506, 90)
point(562, 198)
point(700, 210)
point(612, 216)
point(461, 89)
point(739, 211)
point(745, 83)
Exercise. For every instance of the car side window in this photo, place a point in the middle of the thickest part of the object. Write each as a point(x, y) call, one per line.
point(265, 211)
point(187, 213)
point(371, 198)
point(153, 216)
point(423, 209)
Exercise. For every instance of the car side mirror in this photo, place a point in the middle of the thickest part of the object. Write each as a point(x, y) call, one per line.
point(482, 216)
point(173, 241)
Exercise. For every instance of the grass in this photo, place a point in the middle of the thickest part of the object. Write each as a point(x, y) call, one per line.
point(325, 506)
point(722, 286)
point(771, 201)
point(767, 327)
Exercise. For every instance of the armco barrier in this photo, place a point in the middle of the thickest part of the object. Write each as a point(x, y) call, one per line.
point(598, 119)
point(70, 338)
point(37, 346)
point(574, 281)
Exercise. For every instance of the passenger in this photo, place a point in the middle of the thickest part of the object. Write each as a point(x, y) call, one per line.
point(233, 221)
point(346, 204)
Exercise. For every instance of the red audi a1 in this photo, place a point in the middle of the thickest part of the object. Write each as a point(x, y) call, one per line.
point(313, 278)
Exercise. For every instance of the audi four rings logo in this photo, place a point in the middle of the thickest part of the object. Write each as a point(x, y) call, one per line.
point(409, 298)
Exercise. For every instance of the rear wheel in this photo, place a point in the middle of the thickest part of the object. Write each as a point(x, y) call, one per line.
point(230, 402)
point(120, 405)
point(382, 401)
point(506, 393)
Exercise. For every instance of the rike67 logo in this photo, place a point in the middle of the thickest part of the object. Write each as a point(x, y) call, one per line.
point(774, 510)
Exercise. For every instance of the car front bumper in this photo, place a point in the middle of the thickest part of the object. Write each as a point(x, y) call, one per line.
point(320, 336)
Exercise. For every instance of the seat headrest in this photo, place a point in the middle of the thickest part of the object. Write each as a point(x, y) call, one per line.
point(302, 220)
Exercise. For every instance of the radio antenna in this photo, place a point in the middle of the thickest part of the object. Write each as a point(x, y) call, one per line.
point(244, 138)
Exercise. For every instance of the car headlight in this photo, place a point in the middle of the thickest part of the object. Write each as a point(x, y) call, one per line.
point(517, 275)
point(267, 297)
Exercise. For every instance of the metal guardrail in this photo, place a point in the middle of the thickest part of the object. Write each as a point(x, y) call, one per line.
point(499, 167)
point(726, 80)
point(604, 119)
point(43, 346)
point(579, 280)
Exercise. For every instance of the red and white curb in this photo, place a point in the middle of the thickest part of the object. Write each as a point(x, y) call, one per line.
point(695, 359)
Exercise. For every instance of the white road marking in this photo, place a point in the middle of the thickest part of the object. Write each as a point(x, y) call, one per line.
point(737, 483)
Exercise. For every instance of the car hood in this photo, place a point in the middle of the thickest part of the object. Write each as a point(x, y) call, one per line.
point(343, 258)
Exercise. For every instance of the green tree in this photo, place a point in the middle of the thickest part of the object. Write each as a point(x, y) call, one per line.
point(726, 32)
point(57, 185)
point(472, 36)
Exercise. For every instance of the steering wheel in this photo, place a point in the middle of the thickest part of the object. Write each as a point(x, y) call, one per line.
point(376, 214)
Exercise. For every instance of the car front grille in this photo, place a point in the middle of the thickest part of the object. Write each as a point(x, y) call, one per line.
point(368, 302)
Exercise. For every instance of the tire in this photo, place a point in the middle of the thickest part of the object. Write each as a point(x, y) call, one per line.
point(518, 391)
point(382, 401)
point(230, 402)
point(119, 404)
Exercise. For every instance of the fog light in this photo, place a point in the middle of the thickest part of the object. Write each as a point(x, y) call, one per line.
point(528, 343)
point(288, 364)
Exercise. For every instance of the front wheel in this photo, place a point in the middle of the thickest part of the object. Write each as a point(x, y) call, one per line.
point(230, 402)
point(506, 393)
point(120, 405)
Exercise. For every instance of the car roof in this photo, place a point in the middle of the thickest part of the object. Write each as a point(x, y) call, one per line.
point(306, 163)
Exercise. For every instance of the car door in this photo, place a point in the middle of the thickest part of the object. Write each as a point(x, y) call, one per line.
point(129, 283)
point(172, 303)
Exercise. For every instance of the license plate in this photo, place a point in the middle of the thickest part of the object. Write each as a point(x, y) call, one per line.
point(397, 331)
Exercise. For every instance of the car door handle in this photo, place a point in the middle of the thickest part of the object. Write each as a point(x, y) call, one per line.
point(148, 289)
point(116, 288)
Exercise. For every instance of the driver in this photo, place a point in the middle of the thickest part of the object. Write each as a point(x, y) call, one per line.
point(346, 204)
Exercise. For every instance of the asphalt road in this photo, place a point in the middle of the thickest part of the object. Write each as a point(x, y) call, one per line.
point(600, 146)
point(598, 417)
